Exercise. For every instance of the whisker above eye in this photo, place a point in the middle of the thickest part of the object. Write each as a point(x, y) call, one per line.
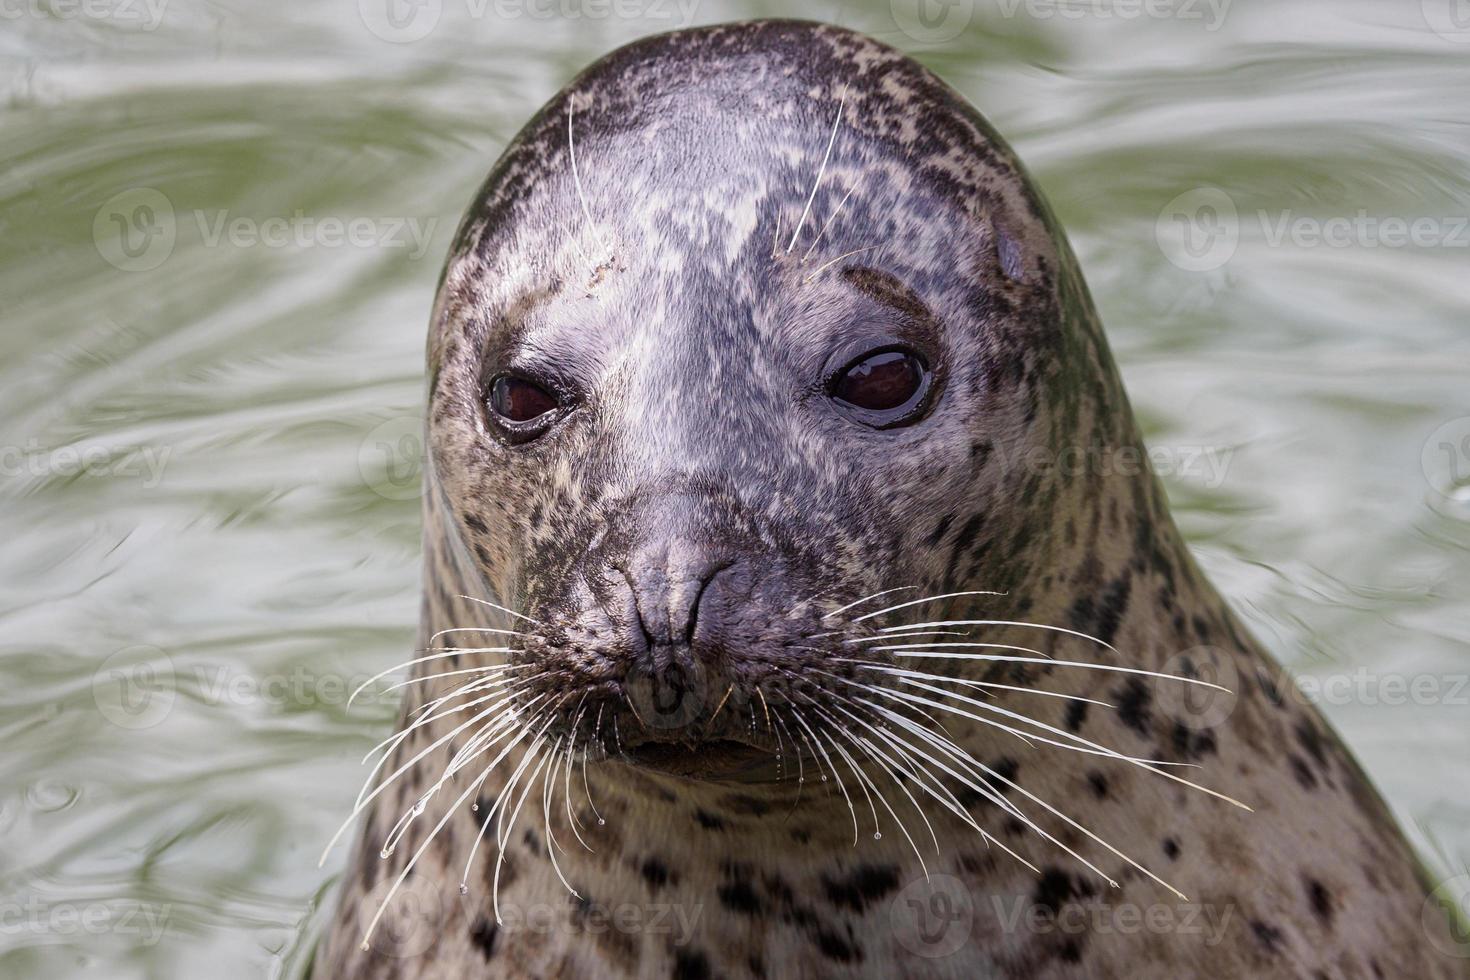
point(821, 172)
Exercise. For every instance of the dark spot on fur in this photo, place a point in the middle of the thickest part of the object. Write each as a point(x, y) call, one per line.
point(1056, 887)
point(1311, 740)
point(940, 530)
point(1321, 900)
point(484, 935)
point(708, 820)
point(1071, 951)
point(1111, 606)
point(655, 873)
point(1133, 705)
point(475, 524)
point(1171, 848)
point(738, 896)
point(835, 947)
point(1099, 784)
point(1191, 744)
point(1268, 936)
point(690, 964)
point(751, 805)
point(1076, 715)
point(866, 884)
point(1303, 773)
point(1269, 687)
point(966, 537)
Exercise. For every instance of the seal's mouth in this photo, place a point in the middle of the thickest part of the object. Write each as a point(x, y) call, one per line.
point(718, 760)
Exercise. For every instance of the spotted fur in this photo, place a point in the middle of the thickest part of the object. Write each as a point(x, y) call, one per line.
point(688, 291)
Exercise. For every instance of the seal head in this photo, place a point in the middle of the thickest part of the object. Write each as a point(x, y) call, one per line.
point(733, 335)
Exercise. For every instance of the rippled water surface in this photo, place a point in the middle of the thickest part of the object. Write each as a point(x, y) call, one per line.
point(222, 226)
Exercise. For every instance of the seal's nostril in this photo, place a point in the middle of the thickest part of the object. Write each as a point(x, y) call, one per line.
point(636, 610)
point(704, 583)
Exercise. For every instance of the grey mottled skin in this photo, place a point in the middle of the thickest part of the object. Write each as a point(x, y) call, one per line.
point(701, 466)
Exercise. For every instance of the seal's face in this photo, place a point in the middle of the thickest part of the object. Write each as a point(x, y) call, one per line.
point(692, 395)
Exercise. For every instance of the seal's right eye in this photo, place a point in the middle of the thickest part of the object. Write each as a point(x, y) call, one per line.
point(520, 404)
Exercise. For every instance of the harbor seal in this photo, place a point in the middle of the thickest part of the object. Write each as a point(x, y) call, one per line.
point(798, 600)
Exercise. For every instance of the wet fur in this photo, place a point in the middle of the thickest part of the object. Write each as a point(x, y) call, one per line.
point(692, 337)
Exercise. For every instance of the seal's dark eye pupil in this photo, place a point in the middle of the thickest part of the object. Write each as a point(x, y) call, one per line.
point(518, 400)
point(881, 382)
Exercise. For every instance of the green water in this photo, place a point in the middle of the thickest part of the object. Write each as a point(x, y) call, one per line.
point(220, 230)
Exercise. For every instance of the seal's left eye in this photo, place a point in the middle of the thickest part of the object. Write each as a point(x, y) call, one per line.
point(886, 386)
point(519, 401)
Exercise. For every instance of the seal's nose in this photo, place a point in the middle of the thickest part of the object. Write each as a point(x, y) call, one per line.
point(670, 581)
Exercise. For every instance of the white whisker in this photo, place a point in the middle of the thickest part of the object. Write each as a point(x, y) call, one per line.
point(821, 171)
point(868, 598)
point(486, 602)
point(920, 602)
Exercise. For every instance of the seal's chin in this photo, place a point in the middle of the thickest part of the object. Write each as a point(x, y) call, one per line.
point(717, 760)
